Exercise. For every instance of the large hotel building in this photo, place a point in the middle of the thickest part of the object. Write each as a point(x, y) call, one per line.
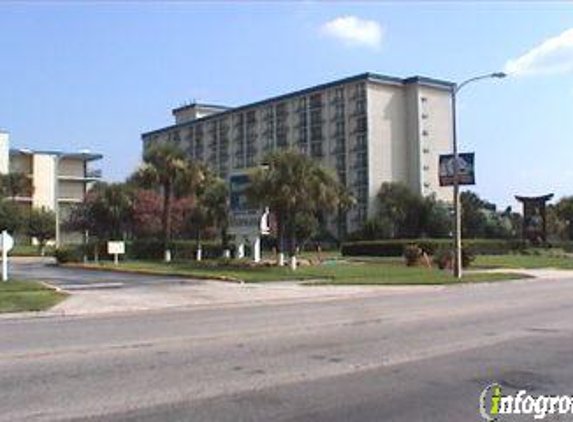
point(368, 128)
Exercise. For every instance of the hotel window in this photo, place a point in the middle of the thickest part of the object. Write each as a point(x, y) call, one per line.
point(316, 101)
point(361, 124)
point(316, 133)
point(361, 106)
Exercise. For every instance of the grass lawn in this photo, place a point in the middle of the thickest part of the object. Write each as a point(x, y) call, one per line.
point(20, 296)
point(524, 261)
point(30, 250)
point(334, 272)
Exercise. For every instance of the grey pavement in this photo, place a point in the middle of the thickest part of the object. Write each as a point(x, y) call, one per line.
point(418, 356)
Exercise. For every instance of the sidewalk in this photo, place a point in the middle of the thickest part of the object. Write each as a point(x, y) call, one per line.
point(212, 293)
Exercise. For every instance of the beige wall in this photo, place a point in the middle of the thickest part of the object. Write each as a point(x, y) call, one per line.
point(388, 140)
point(436, 118)
point(44, 179)
point(71, 190)
point(71, 168)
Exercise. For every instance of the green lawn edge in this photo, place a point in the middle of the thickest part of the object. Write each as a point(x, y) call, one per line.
point(28, 296)
point(353, 273)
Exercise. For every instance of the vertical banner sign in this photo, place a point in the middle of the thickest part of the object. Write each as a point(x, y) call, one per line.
point(466, 169)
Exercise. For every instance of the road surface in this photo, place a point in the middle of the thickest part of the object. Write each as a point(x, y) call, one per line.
point(418, 356)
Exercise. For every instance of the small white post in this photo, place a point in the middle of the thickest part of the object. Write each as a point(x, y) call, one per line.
point(116, 259)
point(293, 263)
point(257, 249)
point(226, 253)
point(240, 250)
point(281, 259)
point(167, 255)
point(7, 243)
point(4, 263)
point(199, 253)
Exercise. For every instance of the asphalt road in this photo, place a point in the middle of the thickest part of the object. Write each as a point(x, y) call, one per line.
point(405, 357)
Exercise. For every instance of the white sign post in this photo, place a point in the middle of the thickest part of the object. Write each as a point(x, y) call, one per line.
point(6, 243)
point(116, 248)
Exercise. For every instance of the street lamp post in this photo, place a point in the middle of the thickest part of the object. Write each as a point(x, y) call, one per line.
point(457, 209)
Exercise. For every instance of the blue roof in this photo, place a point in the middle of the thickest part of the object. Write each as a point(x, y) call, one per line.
point(87, 156)
point(374, 77)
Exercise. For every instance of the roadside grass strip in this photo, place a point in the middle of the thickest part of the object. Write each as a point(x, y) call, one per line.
point(24, 296)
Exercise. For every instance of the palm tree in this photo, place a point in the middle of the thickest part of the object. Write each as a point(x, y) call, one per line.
point(166, 166)
point(291, 184)
point(564, 210)
point(215, 199)
point(16, 184)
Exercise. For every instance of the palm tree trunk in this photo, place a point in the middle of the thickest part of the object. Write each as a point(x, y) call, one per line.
point(292, 242)
point(281, 237)
point(167, 220)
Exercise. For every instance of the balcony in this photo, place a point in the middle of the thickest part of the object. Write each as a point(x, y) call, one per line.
point(90, 174)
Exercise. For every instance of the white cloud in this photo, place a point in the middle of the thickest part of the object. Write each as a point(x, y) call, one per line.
point(554, 55)
point(354, 31)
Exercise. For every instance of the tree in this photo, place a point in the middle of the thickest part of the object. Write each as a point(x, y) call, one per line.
point(400, 210)
point(15, 184)
point(480, 219)
point(564, 211)
point(11, 216)
point(165, 166)
point(215, 200)
point(291, 184)
point(147, 214)
point(104, 213)
point(41, 225)
point(474, 220)
point(437, 218)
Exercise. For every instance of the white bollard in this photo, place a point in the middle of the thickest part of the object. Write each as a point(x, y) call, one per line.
point(281, 259)
point(257, 249)
point(167, 255)
point(241, 251)
point(226, 253)
point(199, 254)
point(293, 263)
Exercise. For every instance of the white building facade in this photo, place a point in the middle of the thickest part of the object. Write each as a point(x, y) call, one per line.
point(368, 128)
point(58, 179)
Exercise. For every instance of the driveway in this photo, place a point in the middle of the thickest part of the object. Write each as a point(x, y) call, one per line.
point(71, 279)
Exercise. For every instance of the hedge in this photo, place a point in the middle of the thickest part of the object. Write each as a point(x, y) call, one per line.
point(395, 248)
point(180, 249)
point(140, 249)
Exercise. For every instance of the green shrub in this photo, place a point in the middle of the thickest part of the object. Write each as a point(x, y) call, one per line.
point(67, 254)
point(444, 258)
point(395, 248)
point(180, 249)
point(412, 255)
point(566, 246)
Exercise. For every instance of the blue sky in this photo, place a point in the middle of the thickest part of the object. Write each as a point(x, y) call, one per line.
point(97, 75)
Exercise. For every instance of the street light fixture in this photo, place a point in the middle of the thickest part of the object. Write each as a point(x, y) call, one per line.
point(457, 212)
